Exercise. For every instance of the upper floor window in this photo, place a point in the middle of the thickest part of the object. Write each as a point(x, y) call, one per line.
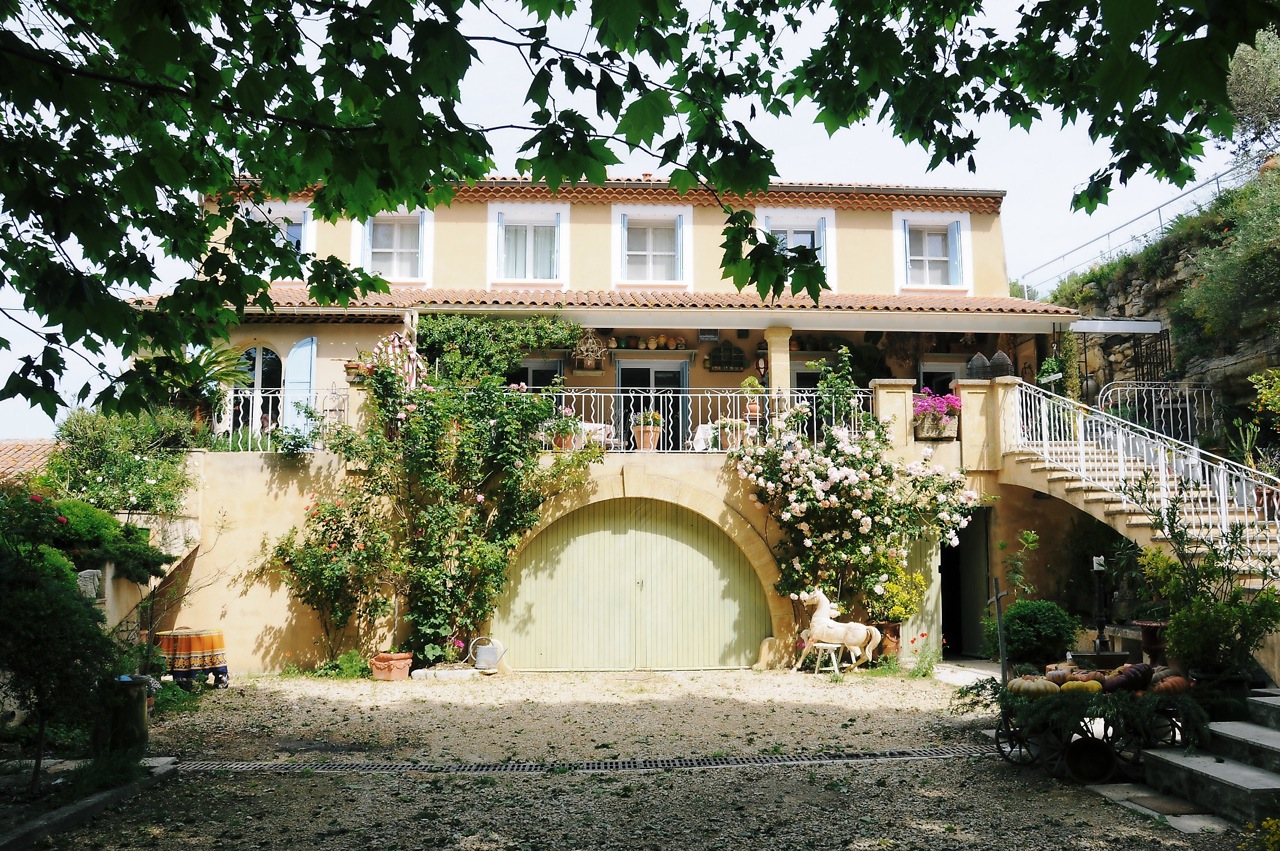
point(652, 244)
point(530, 242)
point(292, 220)
point(396, 246)
point(934, 248)
point(801, 228)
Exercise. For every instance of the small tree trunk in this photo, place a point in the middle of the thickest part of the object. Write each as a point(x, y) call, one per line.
point(35, 770)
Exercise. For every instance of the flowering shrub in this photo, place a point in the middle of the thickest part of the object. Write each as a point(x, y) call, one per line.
point(895, 596)
point(936, 410)
point(848, 512)
point(648, 418)
point(457, 470)
point(124, 462)
point(565, 423)
point(336, 564)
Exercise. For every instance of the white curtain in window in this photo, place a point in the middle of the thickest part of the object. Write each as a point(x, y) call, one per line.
point(515, 251)
point(544, 252)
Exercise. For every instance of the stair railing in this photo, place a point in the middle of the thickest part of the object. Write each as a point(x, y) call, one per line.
point(1114, 455)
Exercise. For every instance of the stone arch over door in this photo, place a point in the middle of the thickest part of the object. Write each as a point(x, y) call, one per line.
point(708, 506)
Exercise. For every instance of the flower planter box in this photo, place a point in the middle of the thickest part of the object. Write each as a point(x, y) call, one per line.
point(938, 430)
point(391, 666)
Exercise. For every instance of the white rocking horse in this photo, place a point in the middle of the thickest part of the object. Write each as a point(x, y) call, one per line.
point(859, 639)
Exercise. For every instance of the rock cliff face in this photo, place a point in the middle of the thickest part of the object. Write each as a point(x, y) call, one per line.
point(1115, 358)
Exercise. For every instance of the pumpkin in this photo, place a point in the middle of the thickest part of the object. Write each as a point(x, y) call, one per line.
point(1088, 676)
point(1129, 678)
point(1060, 666)
point(1162, 673)
point(1081, 686)
point(1171, 685)
point(1032, 687)
point(1058, 676)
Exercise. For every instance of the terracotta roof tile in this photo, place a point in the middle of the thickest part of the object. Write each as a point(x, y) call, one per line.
point(840, 196)
point(295, 297)
point(24, 455)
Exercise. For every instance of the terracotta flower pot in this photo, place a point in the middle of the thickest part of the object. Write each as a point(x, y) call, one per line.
point(646, 437)
point(391, 666)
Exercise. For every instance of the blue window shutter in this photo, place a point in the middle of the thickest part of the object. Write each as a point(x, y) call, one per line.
point(679, 248)
point(422, 243)
point(822, 242)
point(368, 244)
point(555, 247)
point(299, 377)
point(501, 270)
point(306, 226)
point(953, 254)
point(623, 243)
point(906, 252)
point(768, 228)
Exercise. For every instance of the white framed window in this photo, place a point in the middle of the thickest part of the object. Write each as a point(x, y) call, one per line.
point(397, 245)
point(294, 221)
point(934, 251)
point(807, 227)
point(652, 245)
point(528, 244)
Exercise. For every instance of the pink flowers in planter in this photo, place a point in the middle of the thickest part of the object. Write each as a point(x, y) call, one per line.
point(931, 408)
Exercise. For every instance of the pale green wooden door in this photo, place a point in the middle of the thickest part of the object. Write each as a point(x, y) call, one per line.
point(632, 583)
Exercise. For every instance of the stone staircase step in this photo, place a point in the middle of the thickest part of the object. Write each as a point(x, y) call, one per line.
point(1265, 711)
point(1248, 743)
point(1240, 792)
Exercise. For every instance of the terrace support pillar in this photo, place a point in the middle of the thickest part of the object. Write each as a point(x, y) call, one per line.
point(893, 407)
point(779, 340)
point(979, 424)
point(1003, 419)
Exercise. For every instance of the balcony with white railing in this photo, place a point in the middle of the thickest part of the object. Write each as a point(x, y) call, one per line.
point(274, 420)
point(675, 421)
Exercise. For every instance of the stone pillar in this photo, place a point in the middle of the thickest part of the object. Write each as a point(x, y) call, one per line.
point(978, 424)
point(893, 398)
point(779, 340)
point(1003, 419)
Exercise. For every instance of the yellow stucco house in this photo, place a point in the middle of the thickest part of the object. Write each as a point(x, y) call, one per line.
point(662, 562)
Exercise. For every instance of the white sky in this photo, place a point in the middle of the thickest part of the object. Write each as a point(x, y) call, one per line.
point(1039, 171)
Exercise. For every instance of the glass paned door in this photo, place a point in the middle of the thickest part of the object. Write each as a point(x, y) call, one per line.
point(653, 388)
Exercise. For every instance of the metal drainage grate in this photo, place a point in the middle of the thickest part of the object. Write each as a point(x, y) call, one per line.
point(951, 752)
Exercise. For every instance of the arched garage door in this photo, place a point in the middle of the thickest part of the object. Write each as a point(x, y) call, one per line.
point(632, 583)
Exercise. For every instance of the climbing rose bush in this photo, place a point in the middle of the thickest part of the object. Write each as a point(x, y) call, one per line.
point(848, 512)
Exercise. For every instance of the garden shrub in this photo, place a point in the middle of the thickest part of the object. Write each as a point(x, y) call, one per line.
point(53, 651)
point(351, 665)
point(455, 470)
point(849, 513)
point(124, 462)
point(1038, 632)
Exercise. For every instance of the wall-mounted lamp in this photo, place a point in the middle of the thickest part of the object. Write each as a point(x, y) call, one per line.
point(762, 366)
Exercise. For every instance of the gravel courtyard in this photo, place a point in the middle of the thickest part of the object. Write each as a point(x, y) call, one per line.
point(953, 803)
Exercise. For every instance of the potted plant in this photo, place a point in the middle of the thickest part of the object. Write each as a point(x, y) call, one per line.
point(566, 429)
point(731, 432)
point(753, 390)
point(647, 429)
point(391, 665)
point(1216, 621)
point(935, 417)
point(895, 595)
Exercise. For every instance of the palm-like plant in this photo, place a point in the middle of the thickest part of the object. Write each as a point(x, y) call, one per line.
point(193, 381)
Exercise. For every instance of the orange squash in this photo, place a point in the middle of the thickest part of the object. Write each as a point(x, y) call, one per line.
point(1171, 685)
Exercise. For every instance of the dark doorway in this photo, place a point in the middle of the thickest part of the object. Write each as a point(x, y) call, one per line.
point(965, 589)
